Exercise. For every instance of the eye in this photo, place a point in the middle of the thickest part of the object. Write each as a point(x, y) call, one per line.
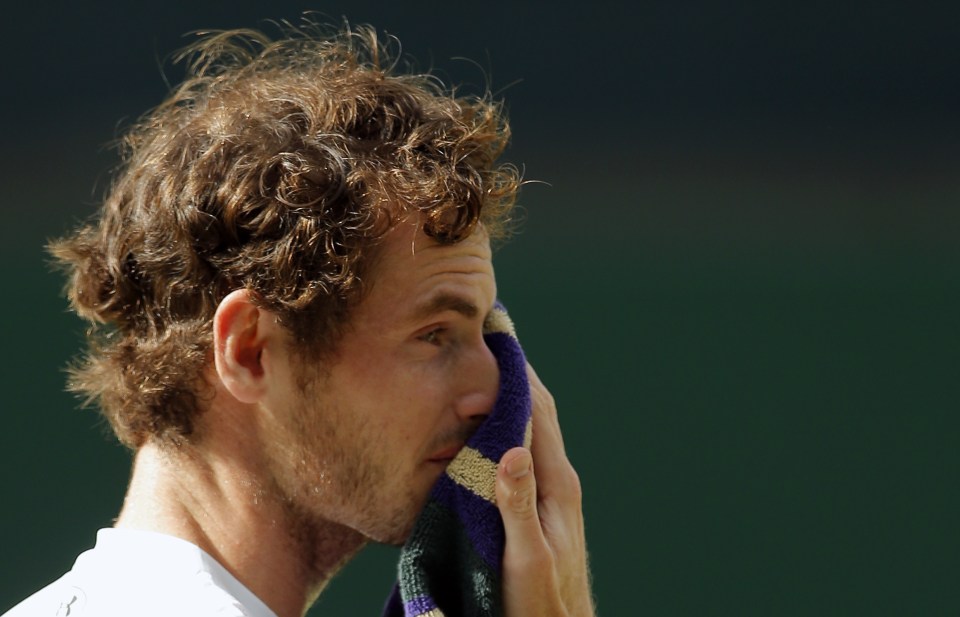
point(432, 337)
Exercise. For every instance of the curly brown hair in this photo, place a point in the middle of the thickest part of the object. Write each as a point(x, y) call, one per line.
point(276, 166)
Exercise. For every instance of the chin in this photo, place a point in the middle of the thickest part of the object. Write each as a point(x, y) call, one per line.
point(394, 529)
point(387, 516)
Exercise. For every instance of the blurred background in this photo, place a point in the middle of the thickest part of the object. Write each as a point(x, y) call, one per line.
point(738, 274)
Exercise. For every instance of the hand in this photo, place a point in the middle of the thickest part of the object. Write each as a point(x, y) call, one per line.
point(545, 559)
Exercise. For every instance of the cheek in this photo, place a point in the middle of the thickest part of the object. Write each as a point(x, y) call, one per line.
point(397, 402)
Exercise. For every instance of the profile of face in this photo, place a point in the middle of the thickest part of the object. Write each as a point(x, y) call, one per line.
point(361, 439)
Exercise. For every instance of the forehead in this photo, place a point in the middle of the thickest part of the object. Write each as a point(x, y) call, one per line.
point(410, 265)
point(406, 245)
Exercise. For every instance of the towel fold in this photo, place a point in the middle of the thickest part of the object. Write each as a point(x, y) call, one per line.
point(450, 565)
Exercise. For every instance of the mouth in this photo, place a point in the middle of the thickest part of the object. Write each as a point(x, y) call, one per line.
point(446, 455)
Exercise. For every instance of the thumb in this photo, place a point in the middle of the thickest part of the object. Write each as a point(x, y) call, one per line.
point(517, 500)
point(527, 564)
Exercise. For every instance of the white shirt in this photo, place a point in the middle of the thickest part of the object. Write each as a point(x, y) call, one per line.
point(144, 574)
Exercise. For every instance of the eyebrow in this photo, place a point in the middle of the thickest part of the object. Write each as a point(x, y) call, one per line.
point(445, 302)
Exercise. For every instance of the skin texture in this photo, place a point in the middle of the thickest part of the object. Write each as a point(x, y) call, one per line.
point(297, 466)
point(372, 431)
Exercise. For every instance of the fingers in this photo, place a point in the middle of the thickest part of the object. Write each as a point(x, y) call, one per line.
point(517, 498)
point(556, 477)
point(539, 497)
point(527, 558)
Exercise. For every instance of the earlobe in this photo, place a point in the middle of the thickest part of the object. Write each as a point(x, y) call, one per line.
point(239, 339)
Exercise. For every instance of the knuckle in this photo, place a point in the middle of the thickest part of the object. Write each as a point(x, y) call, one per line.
point(576, 486)
point(570, 487)
point(522, 501)
point(548, 398)
point(544, 401)
point(545, 396)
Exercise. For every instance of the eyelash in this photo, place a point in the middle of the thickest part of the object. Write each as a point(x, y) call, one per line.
point(433, 336)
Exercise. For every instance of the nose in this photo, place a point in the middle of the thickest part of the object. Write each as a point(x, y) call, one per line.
point(481, 383)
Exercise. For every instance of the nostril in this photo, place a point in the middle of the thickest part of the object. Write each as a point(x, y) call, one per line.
point(476, 406)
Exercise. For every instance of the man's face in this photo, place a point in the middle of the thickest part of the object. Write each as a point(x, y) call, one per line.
point(361, 439)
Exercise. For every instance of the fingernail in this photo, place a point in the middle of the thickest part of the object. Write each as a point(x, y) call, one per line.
point(519, 465)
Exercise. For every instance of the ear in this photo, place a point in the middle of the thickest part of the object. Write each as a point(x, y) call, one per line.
point(241, 331)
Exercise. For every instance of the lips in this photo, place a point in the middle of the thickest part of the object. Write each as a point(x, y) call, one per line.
point(445, 455)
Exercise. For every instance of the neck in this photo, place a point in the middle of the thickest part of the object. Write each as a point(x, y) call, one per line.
point(225, 505)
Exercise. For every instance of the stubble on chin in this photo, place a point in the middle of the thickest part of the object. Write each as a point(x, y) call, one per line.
point(338, 496)
point(322, 547)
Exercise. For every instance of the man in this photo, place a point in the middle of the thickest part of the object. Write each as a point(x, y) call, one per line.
point(290, 277)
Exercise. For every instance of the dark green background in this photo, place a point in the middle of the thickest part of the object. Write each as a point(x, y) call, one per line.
point(739, 278)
